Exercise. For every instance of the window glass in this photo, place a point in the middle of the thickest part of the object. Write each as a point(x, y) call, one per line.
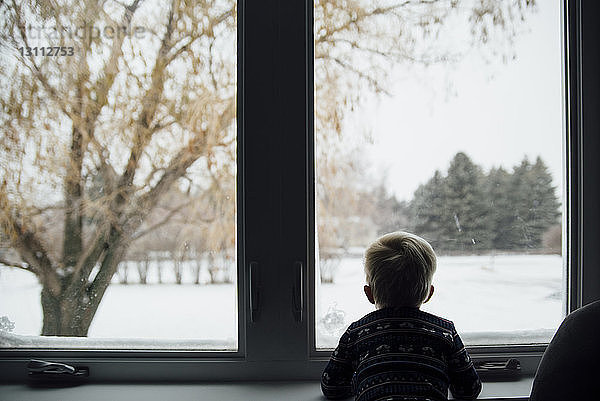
point(444, 119)
point(118, 166)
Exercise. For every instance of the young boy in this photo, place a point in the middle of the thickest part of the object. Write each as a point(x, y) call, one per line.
point(399, 352)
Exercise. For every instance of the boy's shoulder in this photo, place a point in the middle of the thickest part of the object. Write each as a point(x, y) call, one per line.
point(402, 313)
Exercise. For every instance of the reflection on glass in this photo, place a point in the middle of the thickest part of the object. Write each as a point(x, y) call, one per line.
point(444, 120)
point(118, 166)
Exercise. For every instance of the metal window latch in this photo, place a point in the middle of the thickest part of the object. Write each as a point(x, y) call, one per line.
point(254, 283)
point(502, 370)
point(38, 369)
point(298, 292)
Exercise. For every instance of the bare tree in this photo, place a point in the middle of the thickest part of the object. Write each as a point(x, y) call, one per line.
point(143, 265)
point(145, 101)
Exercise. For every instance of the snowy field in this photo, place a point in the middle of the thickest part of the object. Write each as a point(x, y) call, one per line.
point(193, 315)
point(501, 299)
point(491, 299)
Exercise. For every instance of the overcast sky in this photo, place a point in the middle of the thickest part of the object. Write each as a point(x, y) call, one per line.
point(495, 112)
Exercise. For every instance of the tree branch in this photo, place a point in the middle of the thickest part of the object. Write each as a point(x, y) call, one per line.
point(367, 14)
point(26, 243)
point(184, 47)
point(386, 54)
point(108, 266)
point(18, 265)
point(362, 75)
point(37, 211)
point(88, 260)
point(162, 222)
point(143, 130)
point(37, 71)
point(110, 70)
point(179, 165)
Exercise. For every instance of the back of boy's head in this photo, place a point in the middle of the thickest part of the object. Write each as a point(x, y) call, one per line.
point(399, 267)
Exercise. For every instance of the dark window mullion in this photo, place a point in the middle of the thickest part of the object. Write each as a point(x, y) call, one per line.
point(259, 181)
point(589, 104)
point(292, 101)
point(274, 137)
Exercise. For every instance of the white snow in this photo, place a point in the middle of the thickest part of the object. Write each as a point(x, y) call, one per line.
point(186, 313)
point(500, 299)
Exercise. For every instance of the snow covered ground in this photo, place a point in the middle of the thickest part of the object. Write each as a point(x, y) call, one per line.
point(155, 311)
point(501, 299)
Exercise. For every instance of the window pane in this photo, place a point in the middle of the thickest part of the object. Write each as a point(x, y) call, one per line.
point(118, 158)
point(445, 120)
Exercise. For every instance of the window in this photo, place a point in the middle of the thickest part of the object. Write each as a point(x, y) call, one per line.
point(275, 209)
point(119, 166)
point(445, 120)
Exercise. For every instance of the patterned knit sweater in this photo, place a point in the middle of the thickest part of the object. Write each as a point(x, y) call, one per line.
point(400, 354)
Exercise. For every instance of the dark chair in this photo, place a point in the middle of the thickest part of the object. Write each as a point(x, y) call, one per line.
point(570, 367)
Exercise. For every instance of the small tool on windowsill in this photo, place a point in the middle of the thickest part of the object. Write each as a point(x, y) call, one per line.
point(503, 370)
point(55, 372)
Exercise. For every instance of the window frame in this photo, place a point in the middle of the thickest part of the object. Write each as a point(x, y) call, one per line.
point(578, 294)
point(276, 215)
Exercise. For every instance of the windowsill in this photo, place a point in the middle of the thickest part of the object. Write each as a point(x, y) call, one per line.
point(236, 391)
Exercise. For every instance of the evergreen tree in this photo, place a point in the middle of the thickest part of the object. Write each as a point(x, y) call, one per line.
point(465, 223)
point(500, 208)
point(535, 204)
point(467, 210)
point(543, 202)
point(428, 210)
point(521, 237)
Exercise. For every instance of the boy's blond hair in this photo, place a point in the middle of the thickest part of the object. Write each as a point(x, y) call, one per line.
point(399, 267)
